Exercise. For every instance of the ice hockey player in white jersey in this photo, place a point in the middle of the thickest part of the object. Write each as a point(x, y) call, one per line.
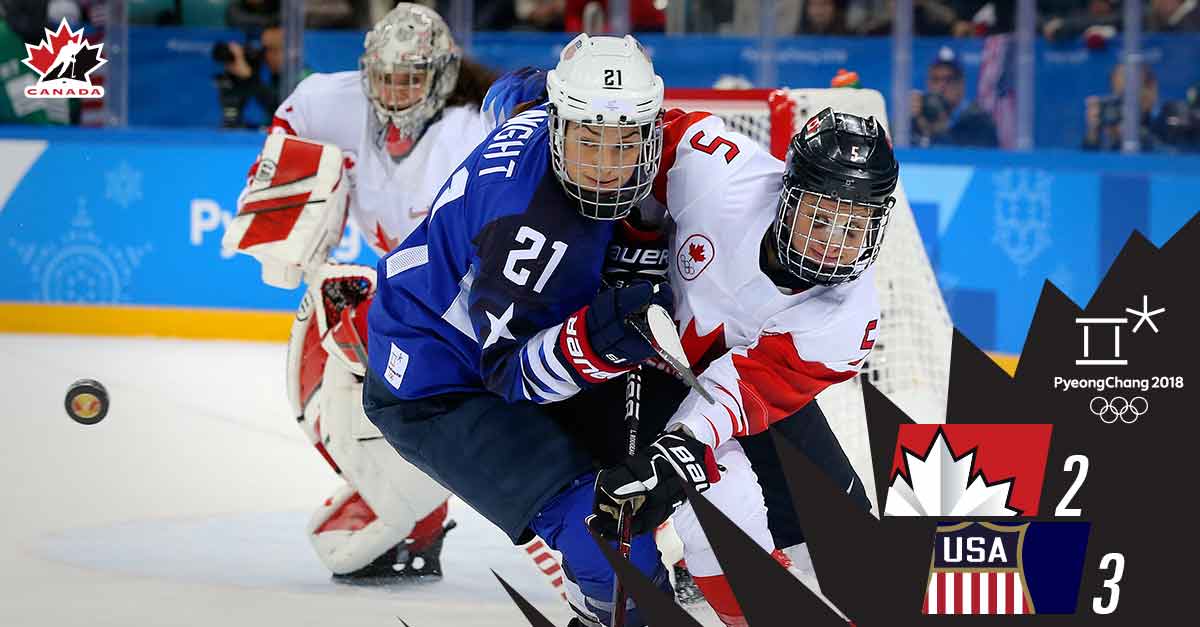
point(775, 299)
point(403, 120)
point(372, 145)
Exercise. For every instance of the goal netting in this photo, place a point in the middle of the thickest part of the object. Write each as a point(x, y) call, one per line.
point(910, 362)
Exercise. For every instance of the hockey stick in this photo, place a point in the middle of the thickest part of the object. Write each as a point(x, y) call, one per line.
point(658, 329)
point(633, 406)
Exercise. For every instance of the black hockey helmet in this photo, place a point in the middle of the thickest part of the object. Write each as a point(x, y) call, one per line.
point(839, 177)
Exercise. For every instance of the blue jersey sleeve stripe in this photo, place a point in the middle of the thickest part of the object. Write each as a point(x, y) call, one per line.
point(550, 355)
point(531, 384)
point(542, 376)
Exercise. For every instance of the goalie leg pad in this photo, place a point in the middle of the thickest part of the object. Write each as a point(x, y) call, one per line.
point(403, 502)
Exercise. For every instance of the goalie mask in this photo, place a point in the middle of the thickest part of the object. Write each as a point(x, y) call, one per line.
point(838, 182)
point(606, 124)
point(409, 68)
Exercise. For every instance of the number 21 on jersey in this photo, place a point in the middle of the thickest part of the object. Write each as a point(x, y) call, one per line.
point(534, 241)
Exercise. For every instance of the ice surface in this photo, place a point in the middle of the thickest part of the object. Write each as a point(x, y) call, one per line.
point(187, 504)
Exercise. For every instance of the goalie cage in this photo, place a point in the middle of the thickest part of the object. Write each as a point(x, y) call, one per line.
point(910, 362)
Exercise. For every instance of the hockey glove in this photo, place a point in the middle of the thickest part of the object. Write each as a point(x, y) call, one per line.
point(652, 482)
point(600, 343)
point(636, 253)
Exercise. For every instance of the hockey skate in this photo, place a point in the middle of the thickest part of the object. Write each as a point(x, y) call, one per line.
point(415, 559)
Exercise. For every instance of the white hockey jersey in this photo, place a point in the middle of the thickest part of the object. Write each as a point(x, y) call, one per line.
point(762, 353)
point(388, 199)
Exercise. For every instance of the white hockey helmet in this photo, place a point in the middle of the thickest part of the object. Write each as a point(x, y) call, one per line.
point(606, 124)
point(409, 68)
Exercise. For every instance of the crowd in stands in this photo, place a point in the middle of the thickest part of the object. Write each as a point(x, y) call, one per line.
point(942, 111)
point(1057, 19)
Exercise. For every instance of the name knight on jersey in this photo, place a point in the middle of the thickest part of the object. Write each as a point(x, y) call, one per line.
point(508, 142)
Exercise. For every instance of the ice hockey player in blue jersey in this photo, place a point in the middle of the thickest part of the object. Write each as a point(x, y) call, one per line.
point(493, 308)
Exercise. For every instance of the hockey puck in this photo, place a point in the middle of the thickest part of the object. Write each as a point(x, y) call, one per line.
point(87, 402)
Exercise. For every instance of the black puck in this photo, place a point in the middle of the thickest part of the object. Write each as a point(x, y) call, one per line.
point(87, 402)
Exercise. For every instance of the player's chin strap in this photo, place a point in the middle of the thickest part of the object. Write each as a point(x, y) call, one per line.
point(293, 210)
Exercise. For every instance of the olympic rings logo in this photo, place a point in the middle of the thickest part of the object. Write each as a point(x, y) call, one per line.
point(1119, 408)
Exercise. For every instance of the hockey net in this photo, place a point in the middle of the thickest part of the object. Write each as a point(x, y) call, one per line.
point(910, 362)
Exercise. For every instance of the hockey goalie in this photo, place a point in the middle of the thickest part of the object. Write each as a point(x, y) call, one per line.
point(372, 145)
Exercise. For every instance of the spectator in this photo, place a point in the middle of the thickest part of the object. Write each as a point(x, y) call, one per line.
point(745, 19)
point(541, 14)
point(1071, 25)
point(1174, 16)
point(252, 15)
point(824, 17)
point(1102, 114)
point(242, 77)
point(643, 16)
point(331, 14)
point(942, 115)
point(931, 18)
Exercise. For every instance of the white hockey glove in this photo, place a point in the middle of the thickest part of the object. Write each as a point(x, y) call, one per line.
point(293, 209)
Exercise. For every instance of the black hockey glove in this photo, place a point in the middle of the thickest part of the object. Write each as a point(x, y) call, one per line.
point(636, 253)
point(652, 482)
point(600, 342)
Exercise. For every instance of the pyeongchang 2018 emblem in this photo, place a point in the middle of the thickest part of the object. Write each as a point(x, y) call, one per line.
point(65, 61)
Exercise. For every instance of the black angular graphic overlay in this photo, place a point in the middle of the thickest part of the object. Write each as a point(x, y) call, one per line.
point(769, 595)
point(1136, 493)
point(535, 618)
point(654, 606)
point(868, 568)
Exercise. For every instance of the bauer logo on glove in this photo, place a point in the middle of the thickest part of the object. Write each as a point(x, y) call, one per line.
point(652, 483)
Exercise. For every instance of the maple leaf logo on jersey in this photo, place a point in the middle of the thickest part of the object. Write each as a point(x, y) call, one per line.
point(65, 61)
point(694, 256)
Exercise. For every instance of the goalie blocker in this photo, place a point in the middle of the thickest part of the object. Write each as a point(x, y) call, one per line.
point(293, 210)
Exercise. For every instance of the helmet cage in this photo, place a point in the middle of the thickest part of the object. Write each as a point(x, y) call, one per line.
point(409, 52)
point(636, 177)
point(828, 246)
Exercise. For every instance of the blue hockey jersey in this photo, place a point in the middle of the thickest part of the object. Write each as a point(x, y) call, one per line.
point(475, 298)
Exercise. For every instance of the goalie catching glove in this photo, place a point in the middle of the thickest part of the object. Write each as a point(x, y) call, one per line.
point(652, 482)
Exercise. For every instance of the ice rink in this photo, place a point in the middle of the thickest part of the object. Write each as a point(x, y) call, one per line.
point(187, 505)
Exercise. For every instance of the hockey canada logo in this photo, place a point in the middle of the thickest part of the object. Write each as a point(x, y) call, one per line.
point(694, 256)
point(65, 62)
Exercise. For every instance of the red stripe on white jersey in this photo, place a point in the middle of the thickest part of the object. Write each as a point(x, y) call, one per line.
point(675, 123)
point(280, 124)
point(776, 382)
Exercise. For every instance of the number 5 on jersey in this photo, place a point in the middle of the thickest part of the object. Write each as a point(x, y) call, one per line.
point(534, 241)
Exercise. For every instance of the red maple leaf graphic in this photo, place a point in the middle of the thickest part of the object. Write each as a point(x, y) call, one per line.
point(382, 241)
point(696, 252)
point(701, 350)
point(42, 57)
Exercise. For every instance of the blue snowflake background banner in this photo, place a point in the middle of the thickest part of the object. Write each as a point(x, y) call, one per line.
point(138, 219)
